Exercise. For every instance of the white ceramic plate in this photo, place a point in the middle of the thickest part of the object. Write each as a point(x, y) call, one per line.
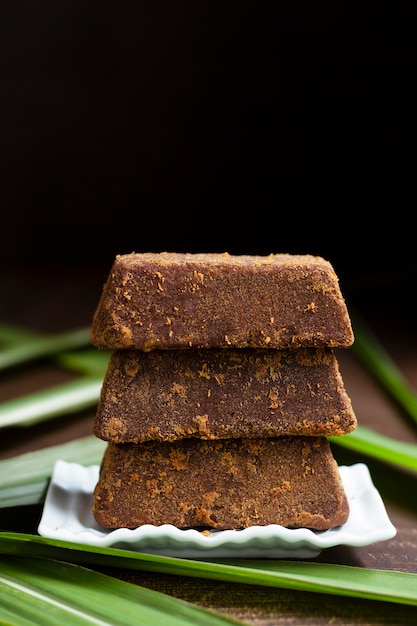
point(67, 516)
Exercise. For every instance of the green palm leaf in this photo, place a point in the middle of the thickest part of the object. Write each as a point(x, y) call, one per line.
point(367, 441)
point(39, 406)
point(388, 586)
point(53, 593)
point(375, 358)
point(24, 478)
point(21, 346)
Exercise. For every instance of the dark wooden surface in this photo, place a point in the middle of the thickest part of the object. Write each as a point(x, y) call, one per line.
point(57, 299)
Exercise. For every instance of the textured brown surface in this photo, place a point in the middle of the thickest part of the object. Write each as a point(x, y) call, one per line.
point(218, 393)
point(233, 483)
point(171, 301)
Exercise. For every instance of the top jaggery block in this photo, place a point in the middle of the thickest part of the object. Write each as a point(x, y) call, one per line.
point(216, 300)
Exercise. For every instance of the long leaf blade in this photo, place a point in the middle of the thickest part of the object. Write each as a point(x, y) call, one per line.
point(24, 478)
point(74, 595)
point(75, 395)
point(88, 361)
point(11, 335)
point(369, 350)
point(367, 441)
point(30, 348)
point(70, 349)
point(383, 585)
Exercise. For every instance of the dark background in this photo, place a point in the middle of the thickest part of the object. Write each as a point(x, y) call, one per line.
point(251, 127)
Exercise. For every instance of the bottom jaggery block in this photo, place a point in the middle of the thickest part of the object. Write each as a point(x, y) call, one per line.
point(221, 484)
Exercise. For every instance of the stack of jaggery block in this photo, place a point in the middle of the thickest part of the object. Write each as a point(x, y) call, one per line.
point(221, 390)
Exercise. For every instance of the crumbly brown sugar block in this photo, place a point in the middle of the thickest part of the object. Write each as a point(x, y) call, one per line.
point(227, 484)
point(217, 393)
point(208, 300)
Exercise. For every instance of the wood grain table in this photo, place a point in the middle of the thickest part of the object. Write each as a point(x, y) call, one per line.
point(54, 299)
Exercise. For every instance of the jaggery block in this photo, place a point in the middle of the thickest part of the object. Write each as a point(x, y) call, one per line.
point(217, 393)
point(182, 300)
point(221, 484)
